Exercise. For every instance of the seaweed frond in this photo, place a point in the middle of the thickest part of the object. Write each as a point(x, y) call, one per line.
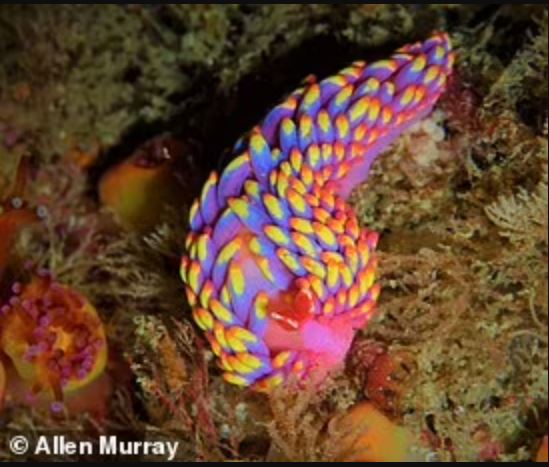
point(522, 216)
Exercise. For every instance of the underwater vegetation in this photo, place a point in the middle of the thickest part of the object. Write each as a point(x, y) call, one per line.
point(111, 119)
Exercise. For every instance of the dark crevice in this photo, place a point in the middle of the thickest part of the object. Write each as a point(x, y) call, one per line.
point(215, 117)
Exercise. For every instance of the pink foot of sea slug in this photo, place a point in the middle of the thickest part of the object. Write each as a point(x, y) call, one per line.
point(278, 272)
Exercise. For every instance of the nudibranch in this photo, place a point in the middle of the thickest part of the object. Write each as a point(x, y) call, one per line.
point(52, 336)
point(278, 272)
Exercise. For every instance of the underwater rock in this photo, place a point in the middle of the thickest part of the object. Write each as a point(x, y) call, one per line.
point(83, 155)
point(278, 272)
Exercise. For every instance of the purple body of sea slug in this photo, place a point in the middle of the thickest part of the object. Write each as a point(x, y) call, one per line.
point(278, 272)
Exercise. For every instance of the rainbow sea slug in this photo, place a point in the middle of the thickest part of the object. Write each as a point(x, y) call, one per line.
point(278, 272)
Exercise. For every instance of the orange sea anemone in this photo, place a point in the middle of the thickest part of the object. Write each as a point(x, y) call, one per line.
point(52, 337)
point(372, 437)
point(138, 188)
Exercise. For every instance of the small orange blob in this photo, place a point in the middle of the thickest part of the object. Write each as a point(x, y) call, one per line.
point(372, 437)
point(542, 451)
point(84, 155)
point(2, 384)
point(22, 91)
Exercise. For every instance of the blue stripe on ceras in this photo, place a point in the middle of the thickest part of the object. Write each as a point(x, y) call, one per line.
point(277, 208)
point(271, 124)
point(287, 136)
point(386, 93)
point(306, 133)
point(437, 55)
point(250, 213)
point(292, 262)
point(261, 158)
point(233, 177)
point(266, 368)
point(324, 127)
point(219, 271)
point(298, 204)
point(227, 227)
point(242, 293)
point(310, 103)
point(408, 74)
point(241, 144)
point(253, 376)
point(366, 87)
point(438, 39)
point(313, 157)
point(209, 206)
point(380, 70)
point(258, 317)
point(330, 86)
point(260, 349)
point(265, 248)
point(340, 102)
point(195, 217)
point(206, 252)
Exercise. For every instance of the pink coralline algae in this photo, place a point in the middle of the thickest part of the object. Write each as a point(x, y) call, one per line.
point(278, 272)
